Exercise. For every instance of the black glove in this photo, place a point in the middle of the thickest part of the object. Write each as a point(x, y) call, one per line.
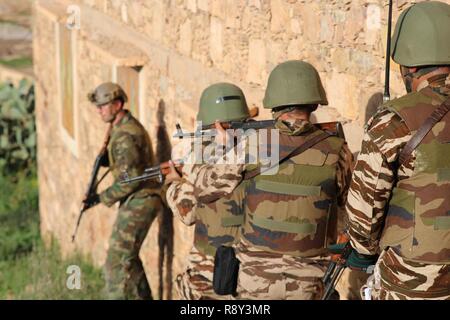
point(92, 200)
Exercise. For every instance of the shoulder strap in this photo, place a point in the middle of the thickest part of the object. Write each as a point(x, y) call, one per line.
point(429, 123)
point(303, 147)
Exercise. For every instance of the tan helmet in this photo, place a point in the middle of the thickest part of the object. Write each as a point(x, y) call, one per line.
point(107, 92)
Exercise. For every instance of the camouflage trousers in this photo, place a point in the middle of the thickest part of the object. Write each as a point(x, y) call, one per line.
point(396, 278)
point(265, 275)
point(124, 272)
point(195, 283)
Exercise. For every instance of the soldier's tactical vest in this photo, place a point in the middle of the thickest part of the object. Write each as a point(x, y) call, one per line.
point(417, 224)
point(219, 223)
point(294, 211)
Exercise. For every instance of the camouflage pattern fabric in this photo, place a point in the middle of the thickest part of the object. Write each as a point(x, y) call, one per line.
point(266, 275)
point(272, 275)
point(294, 212)
point(195, 283)
point(216, 223)
point(124, 272)
point(129, 150)
point(396, 278)
point(415, 224)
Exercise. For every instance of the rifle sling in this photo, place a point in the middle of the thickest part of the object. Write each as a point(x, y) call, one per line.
point(429, 123)
point(303, 147)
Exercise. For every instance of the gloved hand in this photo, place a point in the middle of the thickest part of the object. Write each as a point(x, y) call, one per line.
point(351, 258)
point(91, 200)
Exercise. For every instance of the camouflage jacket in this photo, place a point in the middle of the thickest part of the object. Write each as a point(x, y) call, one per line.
point(333, 171)
point(294, 211)
point(129, 150)
point(209, 181)
point(410, 213)
point(216, 223)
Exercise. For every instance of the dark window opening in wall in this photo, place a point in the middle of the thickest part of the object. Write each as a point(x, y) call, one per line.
point(66, 79)
point(128, 78)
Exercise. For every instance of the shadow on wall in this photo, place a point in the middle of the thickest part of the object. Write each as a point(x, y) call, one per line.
point(165, 236)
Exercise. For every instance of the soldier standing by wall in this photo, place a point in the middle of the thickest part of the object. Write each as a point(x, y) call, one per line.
point(129, 150)
point(399, 196)
point(216, 223)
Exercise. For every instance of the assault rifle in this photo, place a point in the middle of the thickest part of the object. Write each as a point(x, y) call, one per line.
point(93, 183)
point(210, 131)
point(157, 172)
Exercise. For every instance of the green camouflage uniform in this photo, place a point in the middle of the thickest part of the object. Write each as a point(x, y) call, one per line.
point(409, 220)
point(216, 223)
point(129, 150)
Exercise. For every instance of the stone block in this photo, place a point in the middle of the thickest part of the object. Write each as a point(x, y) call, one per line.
point(279, 15)
point(342, 93)
point(215, 40)
point(256, 70)
point(185, 44)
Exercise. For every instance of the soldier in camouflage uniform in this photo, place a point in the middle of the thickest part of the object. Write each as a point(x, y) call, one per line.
point(129, 150)
point(216, 223)
point(290, 217)
point(403, 209)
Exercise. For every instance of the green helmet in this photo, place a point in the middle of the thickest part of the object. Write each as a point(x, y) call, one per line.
point(422, 35)
point(223, 102)
point(107, 92)
point(294, 83)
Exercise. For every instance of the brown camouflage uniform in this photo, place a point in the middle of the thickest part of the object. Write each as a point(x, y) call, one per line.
point(216, 223)
point(289, 217)
point(129, 150)
point(408, 219)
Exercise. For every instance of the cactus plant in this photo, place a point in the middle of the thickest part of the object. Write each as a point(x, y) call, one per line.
point(17, 126)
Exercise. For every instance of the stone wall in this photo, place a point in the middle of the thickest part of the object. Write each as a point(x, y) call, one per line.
point(182, 47)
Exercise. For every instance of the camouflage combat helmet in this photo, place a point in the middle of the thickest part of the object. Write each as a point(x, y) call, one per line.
point(294, 83)
point(224, 102)
point(422, 34)
point(107, 92)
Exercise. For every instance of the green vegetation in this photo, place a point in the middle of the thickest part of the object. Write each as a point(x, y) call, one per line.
point(17, 63)
point(17, 127)
point(28, 269)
